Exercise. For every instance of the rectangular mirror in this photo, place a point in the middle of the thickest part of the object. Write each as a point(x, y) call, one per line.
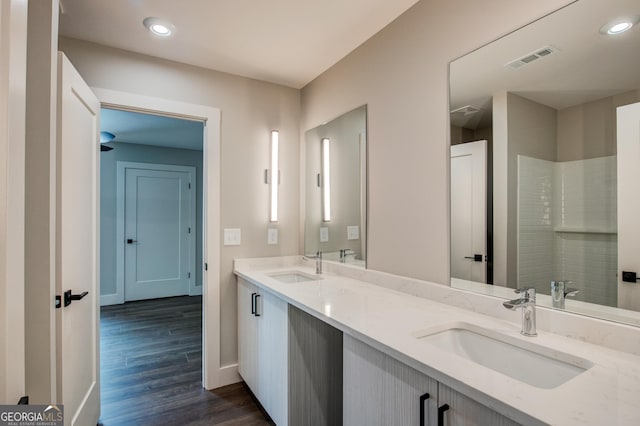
point(537, 154)
point(336, 189)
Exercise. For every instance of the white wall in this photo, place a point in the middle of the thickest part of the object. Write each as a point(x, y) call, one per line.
point(108, 194)
point(401, 73)
point(13, 62)
point(250, 110)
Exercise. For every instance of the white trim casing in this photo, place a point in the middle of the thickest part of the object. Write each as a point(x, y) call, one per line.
point(212, 374)
point(13, 69)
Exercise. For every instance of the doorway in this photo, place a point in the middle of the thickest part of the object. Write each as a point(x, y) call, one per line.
point(468, 211)
point(213, 374)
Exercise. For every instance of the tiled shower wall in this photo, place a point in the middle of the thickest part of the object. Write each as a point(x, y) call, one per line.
point(535, 223)
point(567, 213)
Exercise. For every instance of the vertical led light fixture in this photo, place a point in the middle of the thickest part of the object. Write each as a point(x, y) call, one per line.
point(326, 180)
point(274, 175)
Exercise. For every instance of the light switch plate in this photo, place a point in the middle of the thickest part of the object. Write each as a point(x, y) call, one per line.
point(232, 236)
point(324, 234)
point(272, 236)
point(353, 232)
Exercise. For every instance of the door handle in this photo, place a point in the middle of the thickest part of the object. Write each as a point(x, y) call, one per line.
point(131, 241)
point(441, 410)
point(423, 398)
point(69, 297)
point(253, 303)
point(257, 314)
point(475, 257)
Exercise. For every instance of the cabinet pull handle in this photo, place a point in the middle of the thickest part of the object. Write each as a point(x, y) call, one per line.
point(257, 314)
point(253, 303)
point(441, 411)
point(423, 398)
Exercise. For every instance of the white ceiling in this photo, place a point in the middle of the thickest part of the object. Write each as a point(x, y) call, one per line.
point(589, 65)
point(148, 129)
point(288, 42)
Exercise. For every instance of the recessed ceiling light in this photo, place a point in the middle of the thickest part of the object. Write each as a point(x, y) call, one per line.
point(620, 25)
point(158, 27)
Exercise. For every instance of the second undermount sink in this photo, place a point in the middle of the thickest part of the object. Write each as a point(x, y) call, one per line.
point(527, 362)
point(294, 277)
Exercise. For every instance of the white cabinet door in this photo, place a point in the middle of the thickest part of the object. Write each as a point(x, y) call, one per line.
point(379, 390)
point(263, 348)
point(247, 335)
point(272, 356)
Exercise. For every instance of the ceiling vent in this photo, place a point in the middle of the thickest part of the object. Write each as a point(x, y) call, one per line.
point(465, 111)
point(532, 57)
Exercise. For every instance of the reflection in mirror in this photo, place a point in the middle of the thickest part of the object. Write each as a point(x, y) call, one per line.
point(537, 154)
point(336, 188)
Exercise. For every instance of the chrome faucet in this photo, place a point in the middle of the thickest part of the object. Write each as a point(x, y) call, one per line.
point(560, 291)
point(318, 258)
point(527, 302)
point(344, 253)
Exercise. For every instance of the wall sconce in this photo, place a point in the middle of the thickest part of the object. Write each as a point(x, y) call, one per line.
point(326, 180)
point(273, 177)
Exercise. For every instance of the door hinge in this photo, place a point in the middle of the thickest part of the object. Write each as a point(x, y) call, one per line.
point(58, 304)
point(188, 274)
point(189, 186)
point(206, 266)
point(189, 230)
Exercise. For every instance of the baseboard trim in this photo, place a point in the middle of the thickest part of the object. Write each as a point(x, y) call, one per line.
point(229, 375)
point(111, 299)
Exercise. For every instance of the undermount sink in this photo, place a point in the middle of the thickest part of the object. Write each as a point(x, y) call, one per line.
point(294, 277)
point(527, 362)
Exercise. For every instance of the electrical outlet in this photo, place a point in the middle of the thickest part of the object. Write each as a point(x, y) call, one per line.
point(232, 236)
point(353, 232)
point(324, 234)
point(272, 236)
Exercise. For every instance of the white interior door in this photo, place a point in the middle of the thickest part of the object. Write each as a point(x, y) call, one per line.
point(628, 118)
point(468, 211)
point(77, 323)
point(159, 233)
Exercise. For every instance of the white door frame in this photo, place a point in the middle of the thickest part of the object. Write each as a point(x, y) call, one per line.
point(213, 375)
point(121, 169)
point(13, 71)
point(628, 133)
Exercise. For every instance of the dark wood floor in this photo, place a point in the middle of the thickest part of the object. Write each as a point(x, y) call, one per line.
point(151, 360)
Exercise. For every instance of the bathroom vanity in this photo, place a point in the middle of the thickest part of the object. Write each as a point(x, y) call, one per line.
point(355, 346)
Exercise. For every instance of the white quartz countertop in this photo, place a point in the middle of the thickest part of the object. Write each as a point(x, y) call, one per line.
point(608, 393)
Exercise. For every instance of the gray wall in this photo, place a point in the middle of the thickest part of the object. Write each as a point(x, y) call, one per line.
point(108, 194)
point(589, 130)
point(250, 109)
point(401, 73)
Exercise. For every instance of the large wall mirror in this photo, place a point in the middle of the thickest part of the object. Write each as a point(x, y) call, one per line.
point(538, 192)
point(336, 188)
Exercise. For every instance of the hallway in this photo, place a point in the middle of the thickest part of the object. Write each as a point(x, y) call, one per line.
point(151, 361)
